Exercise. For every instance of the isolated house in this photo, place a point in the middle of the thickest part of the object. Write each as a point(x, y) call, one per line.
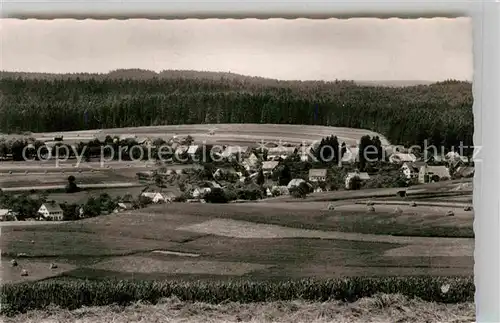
point(317, 175)
point(282, 152)
point(400, 158)
point(429, 174)
point(51, 211)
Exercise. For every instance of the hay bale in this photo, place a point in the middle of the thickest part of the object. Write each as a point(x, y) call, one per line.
point(24, 272)
point(371, 209)
point(450, 213)
point(398, 210)
point(13, 263)
point(331, 207)
point(53, 266)
point(413, 204)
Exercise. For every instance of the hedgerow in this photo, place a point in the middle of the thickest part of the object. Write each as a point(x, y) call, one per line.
point(72, 294)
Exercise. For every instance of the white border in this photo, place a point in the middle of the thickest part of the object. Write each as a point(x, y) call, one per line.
point(486, 82)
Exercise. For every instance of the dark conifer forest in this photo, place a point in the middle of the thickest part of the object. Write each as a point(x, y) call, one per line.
point(439, 112)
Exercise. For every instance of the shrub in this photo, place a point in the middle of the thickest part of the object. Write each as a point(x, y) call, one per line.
point(216, 195)
point(72, 294)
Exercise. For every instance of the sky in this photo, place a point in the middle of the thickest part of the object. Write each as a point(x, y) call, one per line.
point(366, 49)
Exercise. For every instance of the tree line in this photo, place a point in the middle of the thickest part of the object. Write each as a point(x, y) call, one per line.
point(440, 113)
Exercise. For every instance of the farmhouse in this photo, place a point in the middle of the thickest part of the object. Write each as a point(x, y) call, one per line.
point(282, 152)
point(51, 211)
point(399, 158)
point(317, 175)
point(430, 174)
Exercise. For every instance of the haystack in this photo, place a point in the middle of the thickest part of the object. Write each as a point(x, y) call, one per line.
point(331, 207)
point(53, 266)
point(413, 204)
point(468, 208)
point(371, 209)
point(24, 272)
point(370, 203)
point(450, 213)
point(13, 263)
point(398, 210)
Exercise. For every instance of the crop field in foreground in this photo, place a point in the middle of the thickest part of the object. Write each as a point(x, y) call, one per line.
point(378, 308)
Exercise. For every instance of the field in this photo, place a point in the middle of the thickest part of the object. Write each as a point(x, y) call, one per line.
point(261, 241)
point(379, 308)
point(237, 134)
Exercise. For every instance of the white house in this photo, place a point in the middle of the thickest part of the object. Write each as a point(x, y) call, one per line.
point(362, 176)
point(51, 211)
point(427, 173)
point(399, 158)
point(317, 175)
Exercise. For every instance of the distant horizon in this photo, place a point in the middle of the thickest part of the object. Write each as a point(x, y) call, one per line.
point(416, 81)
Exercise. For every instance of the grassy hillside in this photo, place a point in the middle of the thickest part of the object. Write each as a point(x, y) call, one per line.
point(440, 112)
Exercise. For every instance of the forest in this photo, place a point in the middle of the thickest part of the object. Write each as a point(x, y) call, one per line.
point(440, 112)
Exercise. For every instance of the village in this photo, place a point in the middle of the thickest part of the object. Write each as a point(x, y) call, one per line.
point(201, 173)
